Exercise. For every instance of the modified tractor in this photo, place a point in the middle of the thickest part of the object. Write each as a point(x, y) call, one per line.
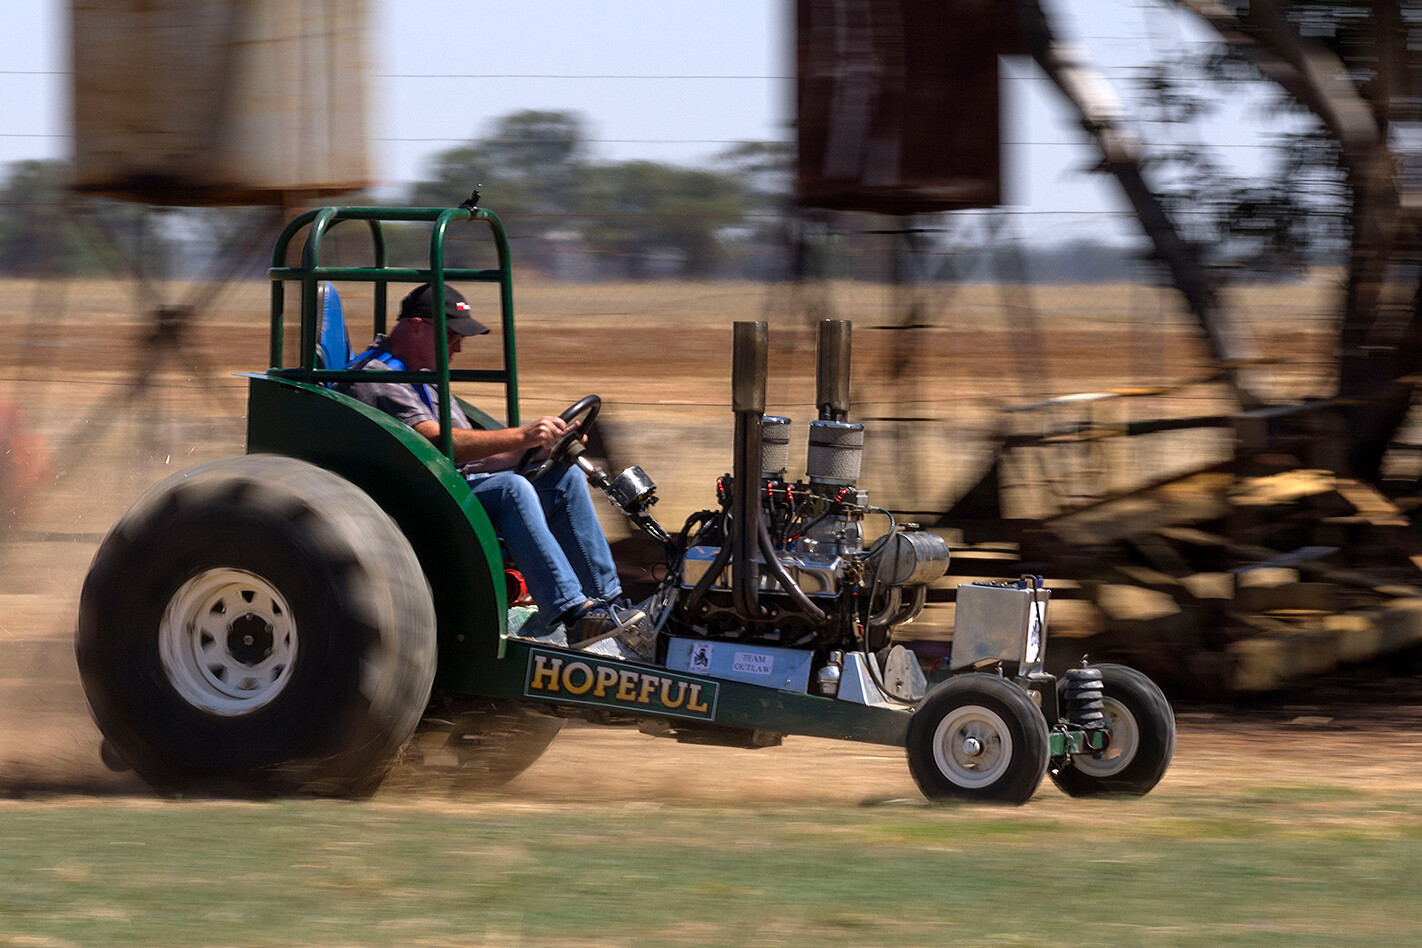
point(291, 620)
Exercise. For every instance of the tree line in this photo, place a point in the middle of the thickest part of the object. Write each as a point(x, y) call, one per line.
point(630, 219)
point(537, 173)
point(574, 216)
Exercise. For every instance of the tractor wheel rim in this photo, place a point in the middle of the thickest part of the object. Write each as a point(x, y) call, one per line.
point(972, 746)
point(1125, 741)
point(227, 642)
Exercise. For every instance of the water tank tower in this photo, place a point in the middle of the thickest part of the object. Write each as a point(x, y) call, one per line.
point(220, 102)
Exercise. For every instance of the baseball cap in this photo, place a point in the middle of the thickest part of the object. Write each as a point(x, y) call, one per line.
point(416, 305)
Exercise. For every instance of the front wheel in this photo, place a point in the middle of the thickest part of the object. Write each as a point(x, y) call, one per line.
point(256, 625)
point(978, 737)
point(1142, 730)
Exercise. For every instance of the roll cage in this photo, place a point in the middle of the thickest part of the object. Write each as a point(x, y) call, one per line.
point(310, 272)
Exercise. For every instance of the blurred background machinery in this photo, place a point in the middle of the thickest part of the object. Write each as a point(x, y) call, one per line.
point(1221, 487)
point(1280, 550)
point(254, 108)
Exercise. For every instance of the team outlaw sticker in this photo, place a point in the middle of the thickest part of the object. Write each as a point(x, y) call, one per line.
point(586, 681)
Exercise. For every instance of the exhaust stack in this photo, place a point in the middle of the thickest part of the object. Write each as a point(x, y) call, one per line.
point(749, 346)
point(836, 444)
point(832, 369)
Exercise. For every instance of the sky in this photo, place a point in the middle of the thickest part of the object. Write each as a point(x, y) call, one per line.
point(665, 80)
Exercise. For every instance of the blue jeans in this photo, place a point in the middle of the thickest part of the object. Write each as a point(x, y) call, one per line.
point(551, 531)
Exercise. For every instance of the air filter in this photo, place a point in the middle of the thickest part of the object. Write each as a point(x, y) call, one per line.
point(836, 450)
point(774, 447)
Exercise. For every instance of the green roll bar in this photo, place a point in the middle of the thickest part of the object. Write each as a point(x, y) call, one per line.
point(310, 273)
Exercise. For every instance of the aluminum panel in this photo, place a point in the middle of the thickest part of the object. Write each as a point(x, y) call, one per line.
point(784, 668)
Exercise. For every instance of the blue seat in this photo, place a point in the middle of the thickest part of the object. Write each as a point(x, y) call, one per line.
point(333, 343)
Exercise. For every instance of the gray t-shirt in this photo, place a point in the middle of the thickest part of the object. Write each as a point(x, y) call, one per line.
point(410, 403)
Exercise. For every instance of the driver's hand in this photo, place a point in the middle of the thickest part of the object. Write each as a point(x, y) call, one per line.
point(544, 431)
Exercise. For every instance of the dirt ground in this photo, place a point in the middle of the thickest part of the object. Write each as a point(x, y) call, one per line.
point(98, 438)
point(48, 746)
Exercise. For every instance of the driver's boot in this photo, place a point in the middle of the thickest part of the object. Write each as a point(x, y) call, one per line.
point(601, 621)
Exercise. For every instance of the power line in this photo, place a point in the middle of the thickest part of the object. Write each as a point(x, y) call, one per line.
point(650, 141)
point(645, 141)
point(729, 141)
point(591, 141)
point(580, 76)
point(552, 75)
point(60, 204)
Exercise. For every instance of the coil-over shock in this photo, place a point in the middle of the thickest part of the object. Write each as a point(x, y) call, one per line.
point(1084, 694)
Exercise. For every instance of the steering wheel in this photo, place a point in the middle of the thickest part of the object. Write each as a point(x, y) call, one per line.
point(561, 451)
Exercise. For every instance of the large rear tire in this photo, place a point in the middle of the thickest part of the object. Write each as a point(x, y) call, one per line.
point(256, 626)
point(978, 737)
point(1142, 729)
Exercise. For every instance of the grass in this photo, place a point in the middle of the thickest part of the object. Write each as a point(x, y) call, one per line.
point(1305, 864)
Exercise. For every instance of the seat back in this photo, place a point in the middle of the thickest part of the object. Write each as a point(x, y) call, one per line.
point(333, 343)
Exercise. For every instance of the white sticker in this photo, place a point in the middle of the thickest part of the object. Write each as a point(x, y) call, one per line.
point(753, 663)
point(700, 659)
point(1036, 631)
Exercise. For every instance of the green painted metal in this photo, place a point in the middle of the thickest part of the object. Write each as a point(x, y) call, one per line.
point(1069, 740)
point(320, 222)
point(417, 486)
point(292, 411)
point(737, 704)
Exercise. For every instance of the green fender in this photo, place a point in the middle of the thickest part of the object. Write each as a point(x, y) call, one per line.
point(421, 490)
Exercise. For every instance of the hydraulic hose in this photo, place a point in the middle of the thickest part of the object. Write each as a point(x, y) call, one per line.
point(723, 556)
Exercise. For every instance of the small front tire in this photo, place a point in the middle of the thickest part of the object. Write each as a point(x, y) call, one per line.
point(1142, 729)
point(978, 737)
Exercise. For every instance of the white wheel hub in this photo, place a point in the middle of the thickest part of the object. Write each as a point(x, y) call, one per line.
point(227, 641)
point(972, 746)
point(1125, 742)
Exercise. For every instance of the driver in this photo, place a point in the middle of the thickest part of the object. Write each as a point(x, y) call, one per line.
point(548, 526)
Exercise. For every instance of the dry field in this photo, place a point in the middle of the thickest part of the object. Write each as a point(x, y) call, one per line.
point(108, 414)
